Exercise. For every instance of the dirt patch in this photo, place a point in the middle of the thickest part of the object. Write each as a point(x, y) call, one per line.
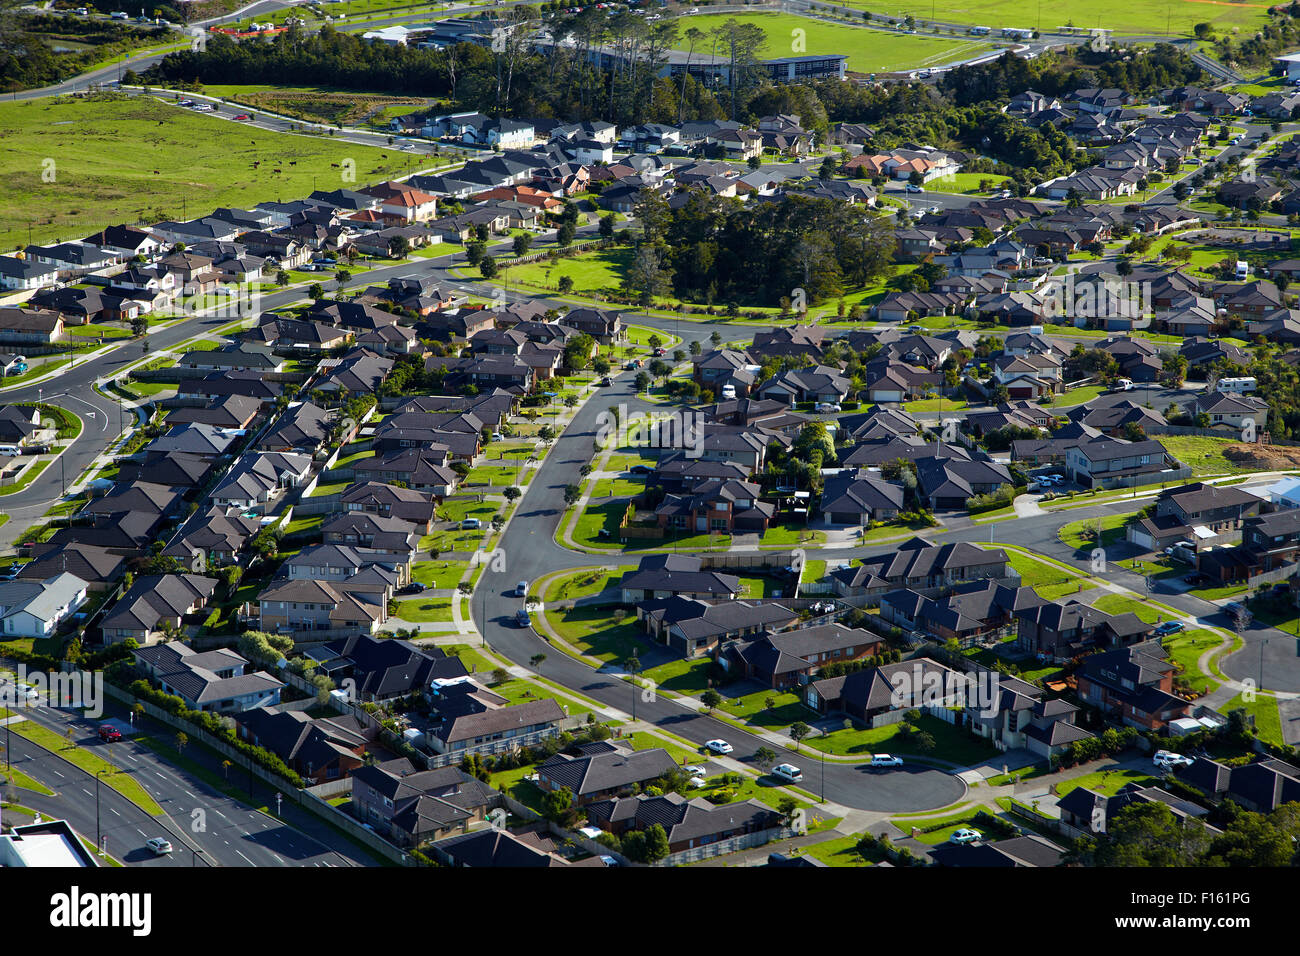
point(1263, 457)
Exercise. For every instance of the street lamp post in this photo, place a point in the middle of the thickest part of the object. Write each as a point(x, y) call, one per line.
point(99, 837)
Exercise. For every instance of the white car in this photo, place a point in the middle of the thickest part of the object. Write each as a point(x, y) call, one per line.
point(1167, 758)
point(788, 772)
point(694, 770)
point(718, 746)
point(827, 407)
point(159, 846)
point(965, 835)
point(885, 760)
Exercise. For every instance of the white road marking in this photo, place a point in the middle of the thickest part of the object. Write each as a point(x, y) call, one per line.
point(250, 862)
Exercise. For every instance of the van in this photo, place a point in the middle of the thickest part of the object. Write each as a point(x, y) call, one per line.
point(1125, 384)
point(471, 524)
point(788, 772)
point(10, 451)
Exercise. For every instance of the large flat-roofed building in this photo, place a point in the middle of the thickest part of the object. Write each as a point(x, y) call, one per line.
point(50, 844)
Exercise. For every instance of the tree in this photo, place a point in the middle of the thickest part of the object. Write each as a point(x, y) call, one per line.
point(282, 278)
point(656, 843)
point(182, 741)
point(488, 267)
point(398, 247)
point(711, 699)
point(225, 767)
point(536, 660)
point(564, 235)
point(512, 493)
point(798, 731)
point(522, 242)
point(565, 285)
point(316, 291)
point(571, 495)
point(607, 226)
point(342, 276)
point(764, 757)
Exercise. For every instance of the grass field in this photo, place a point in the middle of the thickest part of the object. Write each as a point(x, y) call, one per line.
point(868, 50)
point(71, 166)
point(1202, 453)
point(1177, 16)
point(319, 104)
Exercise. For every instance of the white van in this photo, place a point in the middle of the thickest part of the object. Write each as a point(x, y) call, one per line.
point(1238, 385)
point(10, 451)
point(788, 772)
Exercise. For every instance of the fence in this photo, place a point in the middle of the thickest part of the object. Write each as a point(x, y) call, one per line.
point(708, 851)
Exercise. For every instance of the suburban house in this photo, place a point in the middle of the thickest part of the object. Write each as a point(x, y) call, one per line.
point(31, 608)
point(208, 680)
point(154, 604)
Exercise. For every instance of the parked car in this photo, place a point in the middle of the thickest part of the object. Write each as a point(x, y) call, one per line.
point(914, 188)
point(471, 524)
point(109, 733)
point(1169, 627)
point(965, 835)
point(886, 760)
point(1196, 577)
point(1168, 759)
point(159, 846)
point(826, 407)
point(719, 746)
point(788, 772)
point(1233, 608)
point(415, 587)
point(640, 470)
point(694, 770)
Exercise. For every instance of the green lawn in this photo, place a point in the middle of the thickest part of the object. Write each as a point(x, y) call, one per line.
point(600, 271)
point(841, 851)
point(869, 51)
point(1049, 580)
point(1106, 782)
point(425, 610)
point(121, 158)
point(438, 574)
point(20, 779)
point(681, 676)
point(120, 780)
point(1268, 719)
point(1123, 17)
point(583, 583)
point(1185, 648)
point(1203, 454)
point(1112, 532)
point(31, 474)
point(966, 183)
point(596, 631)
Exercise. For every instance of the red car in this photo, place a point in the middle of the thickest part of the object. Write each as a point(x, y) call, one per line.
point(109, 733)
point(242, 116)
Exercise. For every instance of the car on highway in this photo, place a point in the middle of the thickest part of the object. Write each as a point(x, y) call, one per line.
point(159, 846)
point(886, 760)
point(718, 746)
point(109, 733)
point(1169, 627)
point(788, 772)
point(965, 835)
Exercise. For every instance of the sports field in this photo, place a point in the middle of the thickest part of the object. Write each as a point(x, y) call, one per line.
point(868, 50)
point(71, 166)
point(1133, 17)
